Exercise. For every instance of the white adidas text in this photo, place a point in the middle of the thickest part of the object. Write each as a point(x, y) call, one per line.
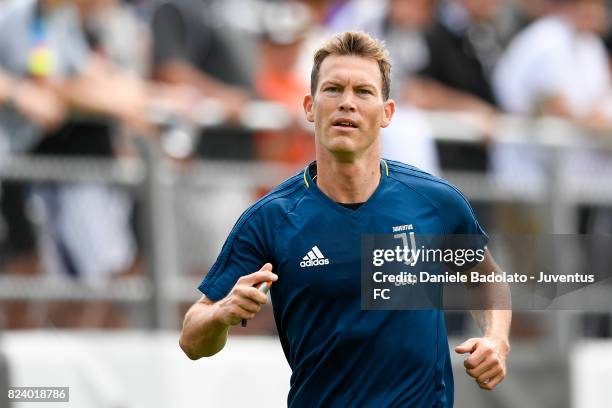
point(314, 257)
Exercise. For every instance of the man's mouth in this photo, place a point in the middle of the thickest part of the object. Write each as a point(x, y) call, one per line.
point(345, 123)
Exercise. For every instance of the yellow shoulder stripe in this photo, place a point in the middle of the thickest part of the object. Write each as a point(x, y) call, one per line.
point(386, 167)
point(306, 179)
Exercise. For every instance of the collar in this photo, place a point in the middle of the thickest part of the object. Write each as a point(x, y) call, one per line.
point(311, 170)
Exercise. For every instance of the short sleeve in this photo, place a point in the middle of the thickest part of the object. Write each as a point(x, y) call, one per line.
point(3, 38)
point(169, 35)
point(76, 52)
point(10, 37)
point(463, 232)
point(245, 251)
point(455, 212)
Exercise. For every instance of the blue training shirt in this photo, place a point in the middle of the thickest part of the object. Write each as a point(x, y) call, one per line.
point(339, 354)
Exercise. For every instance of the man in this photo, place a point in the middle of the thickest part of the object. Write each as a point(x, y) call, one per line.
point(341, 355)
point(63, 100)
point(194, 47)
point(559, 65)
point(463, 45)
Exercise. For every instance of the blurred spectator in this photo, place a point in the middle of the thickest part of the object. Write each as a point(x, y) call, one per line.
point(409, 138)
point(193, 46)
point(43, 49)
point(120, 35)
point(403, 27)
point(284, 27)
point(27, 108)
point(558, 65)
point(463, 47)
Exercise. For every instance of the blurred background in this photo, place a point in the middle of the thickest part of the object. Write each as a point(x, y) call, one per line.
point(134, 133)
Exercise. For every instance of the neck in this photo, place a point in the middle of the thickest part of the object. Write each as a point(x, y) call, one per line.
point(348, 181)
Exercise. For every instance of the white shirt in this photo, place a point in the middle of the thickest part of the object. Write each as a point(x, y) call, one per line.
point(549, 58)
point(409, 139)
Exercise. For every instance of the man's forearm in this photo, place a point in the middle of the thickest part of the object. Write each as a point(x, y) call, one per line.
point(207, 323)
point(112, 95)
point(182, 73)
point(7, 86)
point(203, 335)
point(430, 94)
point(487, 360)
point(493, 323)
point(495, 314)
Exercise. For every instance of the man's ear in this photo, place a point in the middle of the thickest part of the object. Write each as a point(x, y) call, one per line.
point(307, 103)
point(388, 111)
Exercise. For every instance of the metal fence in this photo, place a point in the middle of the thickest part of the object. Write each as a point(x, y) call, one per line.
point(188, 212)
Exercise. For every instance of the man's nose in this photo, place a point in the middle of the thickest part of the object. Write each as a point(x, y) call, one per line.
point(347, 104)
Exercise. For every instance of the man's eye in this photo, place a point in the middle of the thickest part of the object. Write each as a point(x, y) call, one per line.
point(364, 91)
point(331, 89)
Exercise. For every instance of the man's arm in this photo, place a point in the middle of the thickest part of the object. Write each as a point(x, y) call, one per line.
point(207, 323)
point(115, 95)
point(182, 73)
point(6, 87)
point(172, 61)
point(38, 102)
point(487, 362)
point(430, 94)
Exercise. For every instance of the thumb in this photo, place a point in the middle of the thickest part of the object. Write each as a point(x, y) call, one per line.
point(267, 267)
point(467, 346)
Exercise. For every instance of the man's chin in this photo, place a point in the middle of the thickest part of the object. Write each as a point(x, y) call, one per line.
point(342, 144)
point(344, 152)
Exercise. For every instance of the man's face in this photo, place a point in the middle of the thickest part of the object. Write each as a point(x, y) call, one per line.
point(348, 109)
point(590, 16)
point(411, 14)
point(482, 10)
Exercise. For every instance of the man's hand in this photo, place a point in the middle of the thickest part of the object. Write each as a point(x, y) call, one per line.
point(487, 362)
point(6, 87)
point(244, 300)
point(40, 104)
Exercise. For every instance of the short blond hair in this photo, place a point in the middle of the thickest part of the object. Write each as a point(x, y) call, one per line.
point(359, 44)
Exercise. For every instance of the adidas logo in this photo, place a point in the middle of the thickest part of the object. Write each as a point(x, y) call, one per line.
point(314, 257)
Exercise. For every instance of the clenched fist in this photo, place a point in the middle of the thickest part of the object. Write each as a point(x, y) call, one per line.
point(487, 360)
point(244, 300)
